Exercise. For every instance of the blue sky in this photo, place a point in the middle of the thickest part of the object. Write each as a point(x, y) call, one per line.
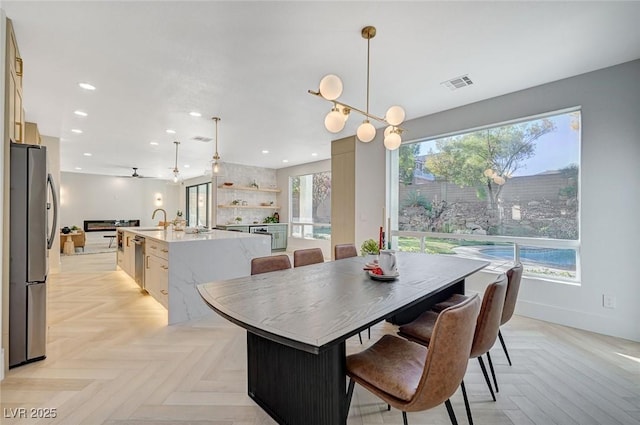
point(554, 150)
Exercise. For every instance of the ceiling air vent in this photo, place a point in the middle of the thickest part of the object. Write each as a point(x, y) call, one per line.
point(202, 139)
point(458, 82)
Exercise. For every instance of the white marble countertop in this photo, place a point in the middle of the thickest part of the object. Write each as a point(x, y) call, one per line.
point(169, 235)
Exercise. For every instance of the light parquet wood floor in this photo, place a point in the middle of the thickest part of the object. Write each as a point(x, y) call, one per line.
point(113, 360)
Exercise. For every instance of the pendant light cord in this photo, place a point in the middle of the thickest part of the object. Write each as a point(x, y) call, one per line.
point(368, 64)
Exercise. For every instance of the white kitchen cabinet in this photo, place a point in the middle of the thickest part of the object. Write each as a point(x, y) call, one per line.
point(127, 257)
point(156, 278)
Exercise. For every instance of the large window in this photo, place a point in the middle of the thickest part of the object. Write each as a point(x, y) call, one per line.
point(198, 204)
point(310, 203)
point(500, 193)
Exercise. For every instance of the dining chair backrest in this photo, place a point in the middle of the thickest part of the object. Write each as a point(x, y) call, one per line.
point(270, 264)
point(345, 250)
point(489, 317)
point(447, 356)
point(305, 257)
point(514, 276)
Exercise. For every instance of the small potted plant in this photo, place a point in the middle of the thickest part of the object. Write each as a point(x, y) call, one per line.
point(238, 220)
point(370, 248)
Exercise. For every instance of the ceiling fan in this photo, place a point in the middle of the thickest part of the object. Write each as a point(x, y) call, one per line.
point(135, 175)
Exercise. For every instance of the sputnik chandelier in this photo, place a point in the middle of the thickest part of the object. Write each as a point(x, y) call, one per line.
point(331, 88)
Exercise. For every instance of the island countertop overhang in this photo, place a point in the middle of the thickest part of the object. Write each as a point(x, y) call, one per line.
point(172, 236)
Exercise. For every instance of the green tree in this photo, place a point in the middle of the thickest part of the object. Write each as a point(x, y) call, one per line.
point(407, 162)
point(486, 159)
point(321, 190)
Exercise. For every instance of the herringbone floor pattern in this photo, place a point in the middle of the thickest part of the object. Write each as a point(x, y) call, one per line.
point(113, 360)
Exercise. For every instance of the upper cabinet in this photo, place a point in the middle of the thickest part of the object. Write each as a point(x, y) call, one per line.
point(14, 118)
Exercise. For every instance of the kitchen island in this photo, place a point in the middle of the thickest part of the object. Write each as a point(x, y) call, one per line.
point(171, 263)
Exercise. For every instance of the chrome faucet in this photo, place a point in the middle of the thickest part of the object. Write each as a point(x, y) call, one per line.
point(165, 223)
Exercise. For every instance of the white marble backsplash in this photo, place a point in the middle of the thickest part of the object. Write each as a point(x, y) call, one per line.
point(244, 176)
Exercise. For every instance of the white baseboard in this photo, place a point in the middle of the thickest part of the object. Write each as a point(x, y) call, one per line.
point(579, 319)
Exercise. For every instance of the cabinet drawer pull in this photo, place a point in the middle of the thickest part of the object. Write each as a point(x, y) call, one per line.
point(163, 292)
point(164, 250)
point(164, 267)
point(153, 247)
point(146, 262)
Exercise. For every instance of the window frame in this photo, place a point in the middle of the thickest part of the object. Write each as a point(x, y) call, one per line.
point(518, 242)
point(208, 187)
point(292, 223)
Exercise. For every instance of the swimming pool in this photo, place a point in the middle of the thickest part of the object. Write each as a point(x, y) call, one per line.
point(557, 258)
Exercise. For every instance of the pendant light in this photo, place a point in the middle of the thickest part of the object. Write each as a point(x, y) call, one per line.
point(331, 88)
point(216, 166)
point(176, 172)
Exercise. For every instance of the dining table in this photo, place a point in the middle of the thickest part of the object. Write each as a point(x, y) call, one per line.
point(297, 321)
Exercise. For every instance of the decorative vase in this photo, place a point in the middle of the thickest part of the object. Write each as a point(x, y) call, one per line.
point(179, 224)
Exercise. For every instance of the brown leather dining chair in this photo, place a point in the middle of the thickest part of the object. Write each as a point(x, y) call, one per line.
point(305, 257)
point(345, 250)
point(514, 276)
point(270, 264)
point(411, 377)
point(486, 332)
point(348, 250)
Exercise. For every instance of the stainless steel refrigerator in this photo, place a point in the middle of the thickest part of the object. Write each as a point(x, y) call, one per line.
point(31, 235)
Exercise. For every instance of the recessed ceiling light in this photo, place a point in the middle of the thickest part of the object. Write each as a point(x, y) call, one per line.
point(195, 114)
point(265, 151)
point(78, 168)
point(169, 131)
point(285, 160)
point(187, 166)
point(87, 86)
point(87, 154)
point(81, 113)
point(314, 154)
point(76, 130)
point(153, 143)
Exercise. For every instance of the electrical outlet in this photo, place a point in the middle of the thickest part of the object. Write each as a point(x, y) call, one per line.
point(608, 301)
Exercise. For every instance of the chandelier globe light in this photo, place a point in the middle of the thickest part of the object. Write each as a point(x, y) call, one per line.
point(330, 89)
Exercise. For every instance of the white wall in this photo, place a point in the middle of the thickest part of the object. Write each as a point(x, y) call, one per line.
point(282, 179)
point(97, 197)
point(610, 194)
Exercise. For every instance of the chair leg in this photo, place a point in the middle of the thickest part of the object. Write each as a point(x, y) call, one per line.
point(360, 336)
point(404, 418)
point(493, 373)
point(388, 407)
point(369, 332)
point(486, 377)
point(452, 415)
point(504, 347)
point(466, 403)
point(352, 384)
